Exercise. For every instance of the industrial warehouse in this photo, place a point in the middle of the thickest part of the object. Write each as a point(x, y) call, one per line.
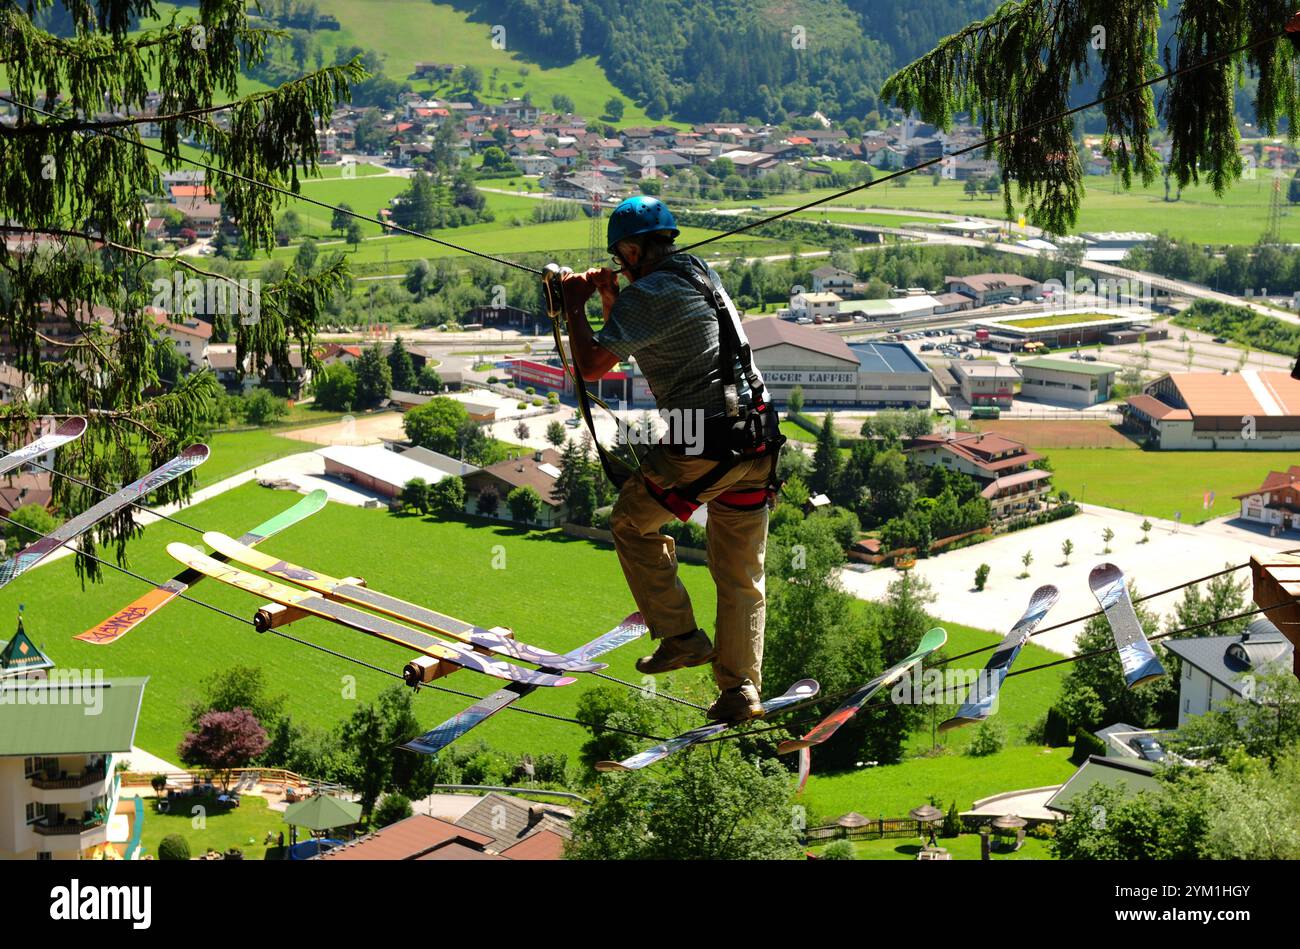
point(1248, 411)
point(829, 370)
point(833, 372)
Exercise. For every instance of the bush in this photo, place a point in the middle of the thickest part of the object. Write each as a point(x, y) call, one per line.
point(521, 405)
point(982, 575)
point(391, 809)
point(1056, 729)
point(840, 850)
point(158, 782)
point(1085, 744)
point(493, 380)
point(174, 847)
point(989, 739)
point(1044, 517)
point(951, 822)
point(1044, 831)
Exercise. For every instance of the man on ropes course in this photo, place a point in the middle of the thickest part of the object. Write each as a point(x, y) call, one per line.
point(720, 449)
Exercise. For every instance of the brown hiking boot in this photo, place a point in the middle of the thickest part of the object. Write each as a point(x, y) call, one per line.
point(678, 652)
point(736, 705)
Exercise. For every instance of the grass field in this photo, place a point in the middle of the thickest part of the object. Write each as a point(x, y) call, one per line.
point(233, 452)
point(554, 591)
point(1200, 217)
point(408, 31)
point(224, 827)
point(1037, 322)
point(1117, 473)
point(797, 433)
point(965, 847)
point(1161, 483)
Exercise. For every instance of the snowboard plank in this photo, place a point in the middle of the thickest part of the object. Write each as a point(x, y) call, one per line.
point(984, 692)
point(71, 529)
point(149, 603)
point(1136, 656)
point(67, 431)
point(439, 737)
point(356, 595)
point(932, 640)
point(802, 691)
point(377, 626)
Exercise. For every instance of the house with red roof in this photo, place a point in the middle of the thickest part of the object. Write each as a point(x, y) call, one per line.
point(1276, 502)
point(1001, 465)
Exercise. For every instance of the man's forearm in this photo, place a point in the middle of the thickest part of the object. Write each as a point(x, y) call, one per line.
point(582, 341)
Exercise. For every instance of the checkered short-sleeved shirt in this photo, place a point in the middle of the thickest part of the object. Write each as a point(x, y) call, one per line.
point(672, 331)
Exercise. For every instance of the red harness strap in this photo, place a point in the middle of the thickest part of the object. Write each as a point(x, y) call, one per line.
point(750, 500)
point(683, 507)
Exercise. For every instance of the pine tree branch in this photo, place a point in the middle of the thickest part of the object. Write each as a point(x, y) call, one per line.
point(124, 248)
point(99, 125)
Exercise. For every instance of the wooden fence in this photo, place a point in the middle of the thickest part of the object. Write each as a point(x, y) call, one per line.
point(876, 829)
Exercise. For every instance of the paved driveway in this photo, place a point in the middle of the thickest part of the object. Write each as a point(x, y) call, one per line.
point(1175, 554)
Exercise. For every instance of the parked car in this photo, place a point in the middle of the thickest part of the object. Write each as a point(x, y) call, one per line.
point(926, 347)
point(1219, 339)
point(1013, 301)
point(970, 357)
point(1148, 748)
point(1089, 357)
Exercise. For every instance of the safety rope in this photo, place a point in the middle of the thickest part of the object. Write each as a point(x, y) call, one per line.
point(286, 193)
point(342, 655)
point(983, 144)
point(135, 504)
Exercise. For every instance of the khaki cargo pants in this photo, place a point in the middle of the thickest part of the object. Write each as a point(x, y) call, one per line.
point(737, 541)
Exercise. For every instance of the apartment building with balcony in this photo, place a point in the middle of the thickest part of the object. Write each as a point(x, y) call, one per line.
point(1001, 465)
point(60, 738)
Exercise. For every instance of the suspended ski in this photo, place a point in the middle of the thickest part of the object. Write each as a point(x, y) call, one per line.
point(377, 626)
point(438, 738)
point(23, 561)
point(129, 617)
point(1136, 656)
point(828, 726)
point(68, 431)
point(983, 694)
point(352, 592)
point(802, 691)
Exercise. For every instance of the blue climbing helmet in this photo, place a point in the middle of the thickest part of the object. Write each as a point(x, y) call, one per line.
point(639, 215)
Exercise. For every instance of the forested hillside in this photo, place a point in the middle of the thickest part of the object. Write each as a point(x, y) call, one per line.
point(732, 59)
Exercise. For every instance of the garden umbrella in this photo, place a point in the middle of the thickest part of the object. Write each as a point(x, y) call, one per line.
point(321, 812)
point(927, 814)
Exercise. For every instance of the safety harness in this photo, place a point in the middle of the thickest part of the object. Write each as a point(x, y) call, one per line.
point(742, 433)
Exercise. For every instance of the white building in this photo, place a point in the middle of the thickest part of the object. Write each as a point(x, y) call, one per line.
point(1218, 668)
point(1252, 410)
point(1066, 381)
point(985, 383)
point(832, 279)
point(58, 749)
point(821, 307)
